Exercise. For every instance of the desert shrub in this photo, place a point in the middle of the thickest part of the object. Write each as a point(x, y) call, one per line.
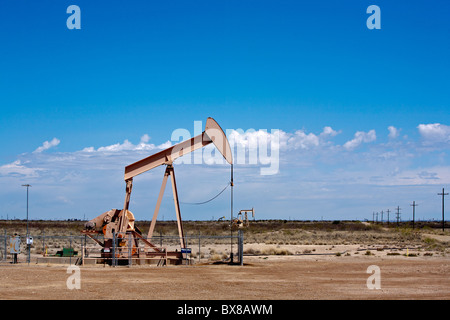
point(276, 251)
point(252, 251)
point(429, 241)
point(283, 252)
point(215, 257)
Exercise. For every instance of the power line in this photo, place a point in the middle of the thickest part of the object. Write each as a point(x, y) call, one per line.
point(209, 200)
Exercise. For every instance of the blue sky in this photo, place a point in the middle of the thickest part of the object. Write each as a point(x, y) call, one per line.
point(141, 68)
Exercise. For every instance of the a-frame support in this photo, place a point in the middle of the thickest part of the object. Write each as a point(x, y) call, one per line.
point(169, 172)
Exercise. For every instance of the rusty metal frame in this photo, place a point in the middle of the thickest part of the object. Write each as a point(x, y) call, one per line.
point(123, 219)
point(213, 134)
point(169, 172)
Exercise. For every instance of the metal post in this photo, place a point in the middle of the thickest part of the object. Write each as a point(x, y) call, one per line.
point(199, 254)
point(84, 246)
point(443, 194)
point(414, 205)
point(28, 245)
point(29, 252)
point(231, 221)
point(43, 242)
point(241, 247)
point(113, 260)
point(70, 250)
point(5, 255)
point(130, 244)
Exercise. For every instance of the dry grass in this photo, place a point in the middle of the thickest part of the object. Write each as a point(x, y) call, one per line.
point(275, 234)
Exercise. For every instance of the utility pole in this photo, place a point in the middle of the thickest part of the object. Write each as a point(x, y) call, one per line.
point(388, 216)
point(231, 222)
point(443, 194)
point(28, 243)
point(377, 217)
point(398, 214)
point(414, 205)
point(381, 216)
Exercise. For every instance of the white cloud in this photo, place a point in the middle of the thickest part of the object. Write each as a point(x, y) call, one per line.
point(47, 145)
point(128, 146)
point(251, 138)
point(311, 167)
point(360, 137)
point(279, 139)
point(145, 138)
point(437, 175)
point(301, 140)
point(393, 132)
point(17, 168)
point(164, 145)
point(329, 132)
point(434, 133)
point(88, 149)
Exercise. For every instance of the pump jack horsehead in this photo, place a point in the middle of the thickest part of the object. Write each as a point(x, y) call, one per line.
point(118, 225)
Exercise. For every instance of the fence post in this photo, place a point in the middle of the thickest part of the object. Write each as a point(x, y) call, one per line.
point(113, 260)
point(5, 255)
point(241, 247)
point(43, 243)
point(85, 252)
point(130, 244)
point(199, 253)
point(70, 251)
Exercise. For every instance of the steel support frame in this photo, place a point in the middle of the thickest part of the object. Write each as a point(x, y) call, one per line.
point(169, 172)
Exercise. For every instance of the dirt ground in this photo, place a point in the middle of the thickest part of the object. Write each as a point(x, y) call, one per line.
point(303, 277)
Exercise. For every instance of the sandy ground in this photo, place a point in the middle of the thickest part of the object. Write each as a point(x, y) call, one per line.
point(319, 276)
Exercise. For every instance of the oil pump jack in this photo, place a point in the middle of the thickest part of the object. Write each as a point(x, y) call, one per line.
point(241, 220)
point(118, 225)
